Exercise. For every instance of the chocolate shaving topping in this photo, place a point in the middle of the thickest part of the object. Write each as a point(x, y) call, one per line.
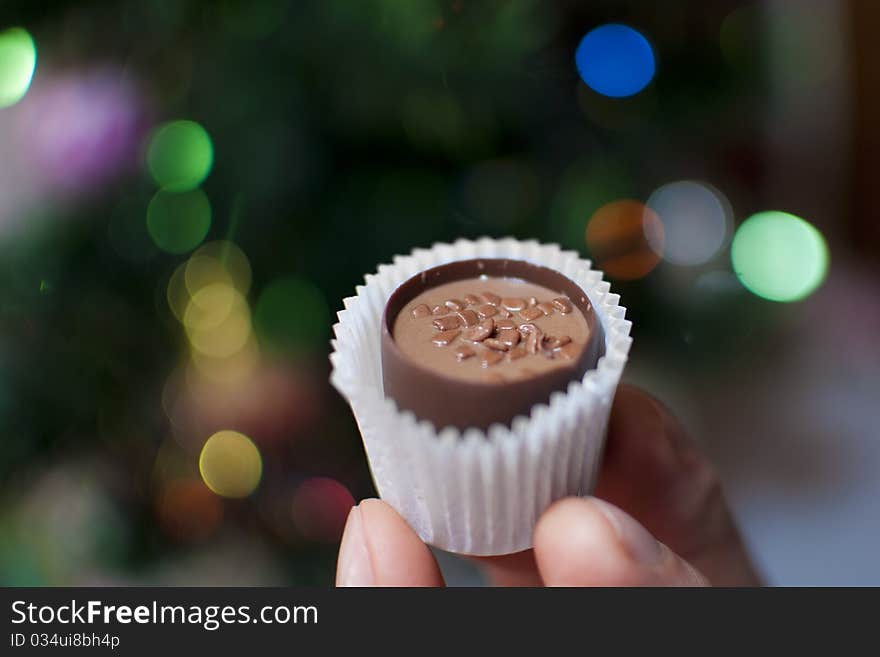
point(468, 318)
point(491, 298)
point(480, 332)
point(445, 338)
point(495, 343)
point(533, 336)
point(563, 305)
point(447, 323)
point(500, 336)
point(486, 310)
point(551, 342)
point(508, 337)
point(421, 310)
point(532, 313)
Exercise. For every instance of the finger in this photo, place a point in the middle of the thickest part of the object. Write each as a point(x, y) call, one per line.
point(380, 549)
point(652, 470)
point(517, 569)
point(588, 542)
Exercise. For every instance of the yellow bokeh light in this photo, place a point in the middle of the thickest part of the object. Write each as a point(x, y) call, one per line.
point(210, 306)
point(217, 321)
point(231, 370)
point(230, 464)
point(217, 262)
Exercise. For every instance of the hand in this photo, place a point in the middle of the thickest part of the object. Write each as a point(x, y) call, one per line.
point(658, 519)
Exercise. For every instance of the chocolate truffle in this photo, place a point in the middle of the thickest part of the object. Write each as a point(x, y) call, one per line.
point(475, 342)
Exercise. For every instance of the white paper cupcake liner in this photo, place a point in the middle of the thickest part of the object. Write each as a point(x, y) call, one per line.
point(478, 492)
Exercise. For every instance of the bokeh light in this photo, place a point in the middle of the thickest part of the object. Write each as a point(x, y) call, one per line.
point(696, 220)
point(83, 128)
point(217, 321)
point(291, 313)
point(231, 370)
point(779, 256)
point(179, 221)
point(624, 237)
point(18, 58)
point(615, 60)
point(320, 507)
point(230, 464)
point(221, 261)
point(180, 155)
point(189, 511)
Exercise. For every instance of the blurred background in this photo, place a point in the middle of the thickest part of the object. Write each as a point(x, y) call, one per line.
point(188, 189)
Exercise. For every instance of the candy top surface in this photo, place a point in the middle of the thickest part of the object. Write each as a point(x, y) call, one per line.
point(491, 329)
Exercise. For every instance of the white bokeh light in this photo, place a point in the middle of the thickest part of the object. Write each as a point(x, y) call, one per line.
point(696, 221)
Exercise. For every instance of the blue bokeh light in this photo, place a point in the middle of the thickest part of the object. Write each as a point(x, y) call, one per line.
point(615, 60)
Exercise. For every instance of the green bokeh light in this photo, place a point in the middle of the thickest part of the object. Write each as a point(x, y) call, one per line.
point(292, 314)
point(18, 58)
point(180, 155)
point(778, 256)
point(178, 221)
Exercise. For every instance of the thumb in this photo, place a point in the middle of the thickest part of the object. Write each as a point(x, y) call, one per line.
point(589, 542)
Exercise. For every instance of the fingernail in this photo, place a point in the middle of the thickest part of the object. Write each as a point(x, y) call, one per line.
point(636, 540)
point(354, 567)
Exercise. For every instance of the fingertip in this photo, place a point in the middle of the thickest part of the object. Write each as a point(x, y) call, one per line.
point(398, 556)
point(575, 545)
point(589, 542)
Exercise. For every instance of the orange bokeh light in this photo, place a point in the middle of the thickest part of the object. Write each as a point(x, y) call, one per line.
point(188, 510)
point(618, 239)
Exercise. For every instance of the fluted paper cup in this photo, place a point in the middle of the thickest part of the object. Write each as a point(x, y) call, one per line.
point(478, 492)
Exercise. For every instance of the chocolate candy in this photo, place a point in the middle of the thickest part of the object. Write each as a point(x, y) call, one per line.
point(480, 341)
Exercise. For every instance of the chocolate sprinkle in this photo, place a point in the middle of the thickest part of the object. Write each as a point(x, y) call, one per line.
point(489, 358)
point(487, 310)
point(468, 318)
point(563, 305)
point(421, 310)
point(509, 337)
point(445, 338)
point(447, 323)
point(532, 313)
point(491, 298)
point(480, 332)
point(495, 343)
